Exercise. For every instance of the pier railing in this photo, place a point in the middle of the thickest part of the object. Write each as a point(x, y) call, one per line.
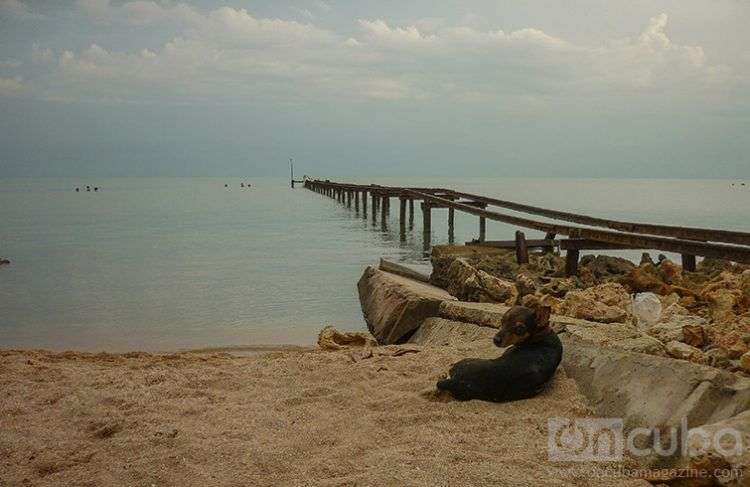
point(598, 234)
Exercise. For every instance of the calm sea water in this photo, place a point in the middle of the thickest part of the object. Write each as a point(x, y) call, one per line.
point(165, 264)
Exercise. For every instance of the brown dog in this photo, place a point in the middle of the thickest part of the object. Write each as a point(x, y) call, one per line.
point(519, 373)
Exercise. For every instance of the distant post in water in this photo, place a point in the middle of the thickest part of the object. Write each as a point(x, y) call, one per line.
point(291, 171)
point(349, 199)
point(356, 201)
point(364, 203)
point(482, 229)
point(411, 213)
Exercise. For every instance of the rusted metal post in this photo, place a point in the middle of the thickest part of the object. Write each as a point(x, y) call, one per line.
point(571, 262)
point(402, 214)
point(482, 229)
point(427, 218)
point(688, 262)
point(522, 251)
point(451, 219)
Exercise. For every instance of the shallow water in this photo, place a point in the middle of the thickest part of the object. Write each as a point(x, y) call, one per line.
point(172, 263)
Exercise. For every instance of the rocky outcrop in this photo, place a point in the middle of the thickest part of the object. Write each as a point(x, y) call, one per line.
point(441, 331)
point(649, 390)
point(619, 336)
point(606, 303)
point(671, 323)
point(745, 361)
point(683, 351)
point(443, 256)
point(330, 338)
point(726, 451)
point(395, 306)
point(605, 267)
point(470, 284)
point(482, 314)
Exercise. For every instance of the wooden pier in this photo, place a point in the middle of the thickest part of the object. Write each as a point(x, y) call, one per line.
point(597, 234)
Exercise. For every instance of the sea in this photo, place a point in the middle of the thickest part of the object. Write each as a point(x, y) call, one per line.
point(166, 264)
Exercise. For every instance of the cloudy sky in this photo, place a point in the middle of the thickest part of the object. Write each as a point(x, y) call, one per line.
point(582, 88)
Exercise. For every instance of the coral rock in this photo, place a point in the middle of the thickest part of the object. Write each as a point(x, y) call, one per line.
point(684, 351)
point(606, 303)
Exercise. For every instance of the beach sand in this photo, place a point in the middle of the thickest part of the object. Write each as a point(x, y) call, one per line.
point(278, 418)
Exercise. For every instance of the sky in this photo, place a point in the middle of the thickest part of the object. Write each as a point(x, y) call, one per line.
point(491, 88)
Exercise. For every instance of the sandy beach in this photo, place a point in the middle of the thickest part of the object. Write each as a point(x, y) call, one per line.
point(278, 418)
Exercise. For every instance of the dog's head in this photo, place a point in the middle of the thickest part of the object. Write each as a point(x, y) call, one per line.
point(520, 324)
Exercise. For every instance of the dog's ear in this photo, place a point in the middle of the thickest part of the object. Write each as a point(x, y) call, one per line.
point(542, 316)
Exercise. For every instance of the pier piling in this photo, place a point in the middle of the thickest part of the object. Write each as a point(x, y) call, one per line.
point(593, 233)
point(688, 262)
point(522, 251)
point(402, 213)
point(571, 262)
point(426, 218)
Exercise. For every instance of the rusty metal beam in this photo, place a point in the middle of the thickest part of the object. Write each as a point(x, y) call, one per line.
point(719, 251)
point(687, 233)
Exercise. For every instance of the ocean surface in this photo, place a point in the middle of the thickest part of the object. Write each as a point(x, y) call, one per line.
point(182, 263)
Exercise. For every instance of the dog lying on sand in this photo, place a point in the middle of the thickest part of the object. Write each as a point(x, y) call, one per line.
point(521, 372)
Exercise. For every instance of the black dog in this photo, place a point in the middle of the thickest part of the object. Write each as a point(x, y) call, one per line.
point(519, 373)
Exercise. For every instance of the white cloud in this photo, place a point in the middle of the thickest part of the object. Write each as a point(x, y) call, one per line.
point(230, 54)
point(10, 63)
point(11, 86)
point(652, 58)
point(379, 32)
point(15, 9)
point(139, 12)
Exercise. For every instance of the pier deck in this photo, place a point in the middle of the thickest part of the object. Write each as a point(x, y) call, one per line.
point(597, 234)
